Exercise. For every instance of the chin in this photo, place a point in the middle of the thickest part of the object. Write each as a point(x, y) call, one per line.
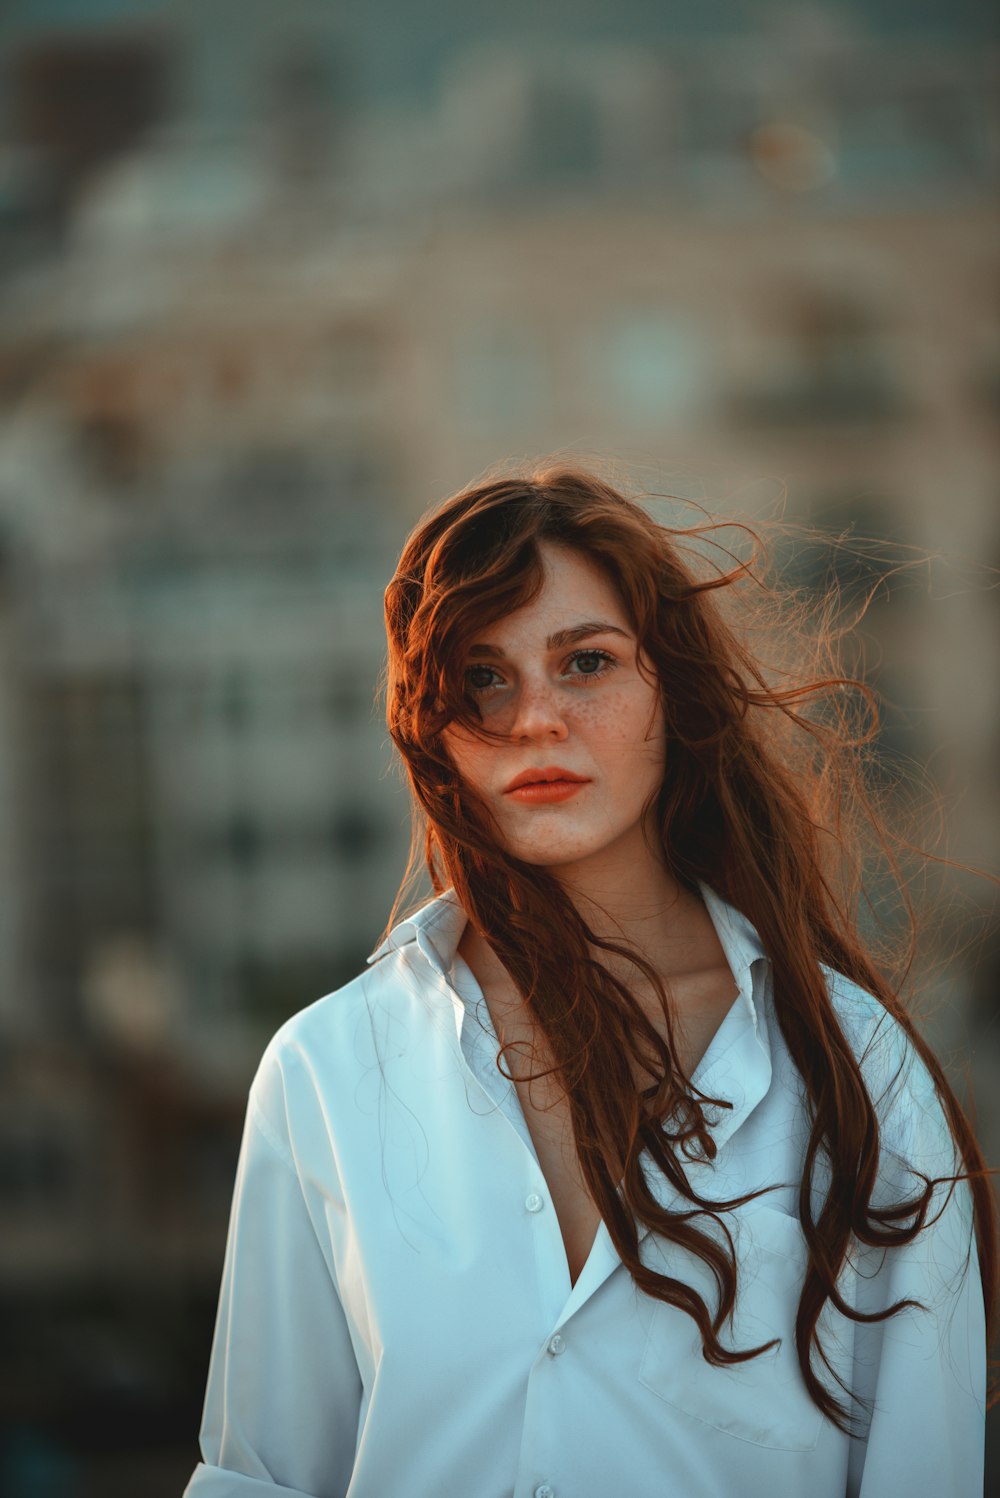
point(548, 856)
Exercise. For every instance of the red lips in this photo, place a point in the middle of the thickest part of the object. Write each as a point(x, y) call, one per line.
point(541, 776)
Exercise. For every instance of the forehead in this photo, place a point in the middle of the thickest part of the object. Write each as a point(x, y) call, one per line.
point(573, 588)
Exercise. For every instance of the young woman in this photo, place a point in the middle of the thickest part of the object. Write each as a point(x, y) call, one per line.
point(622, 1169)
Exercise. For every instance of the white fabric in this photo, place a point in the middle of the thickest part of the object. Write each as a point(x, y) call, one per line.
point(396, 1318)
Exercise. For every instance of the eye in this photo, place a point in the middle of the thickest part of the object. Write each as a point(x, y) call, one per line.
point(592, 663)
point(478, 679)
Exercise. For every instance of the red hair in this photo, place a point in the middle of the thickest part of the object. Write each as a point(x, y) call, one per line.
point(768, 798)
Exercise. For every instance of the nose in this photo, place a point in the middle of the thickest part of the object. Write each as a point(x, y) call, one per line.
point(537, 714)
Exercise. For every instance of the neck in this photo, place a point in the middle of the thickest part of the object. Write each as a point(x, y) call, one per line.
point(623, 890)
point(627, 894)
point(630, 895)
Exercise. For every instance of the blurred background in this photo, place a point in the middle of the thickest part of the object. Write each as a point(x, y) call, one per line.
point(273, 279)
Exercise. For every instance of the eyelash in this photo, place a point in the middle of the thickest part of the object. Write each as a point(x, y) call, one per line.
point(586, 676)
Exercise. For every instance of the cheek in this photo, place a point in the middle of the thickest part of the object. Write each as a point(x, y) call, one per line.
point(468, 755)
point(628, 723)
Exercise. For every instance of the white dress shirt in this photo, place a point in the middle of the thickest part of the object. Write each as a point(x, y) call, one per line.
point(396, 1318)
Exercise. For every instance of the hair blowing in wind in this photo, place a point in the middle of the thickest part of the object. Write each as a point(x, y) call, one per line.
point(768, 797)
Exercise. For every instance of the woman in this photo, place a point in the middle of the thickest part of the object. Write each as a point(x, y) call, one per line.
point(621, 1169)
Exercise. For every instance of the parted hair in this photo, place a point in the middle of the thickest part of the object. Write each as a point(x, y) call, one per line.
point(770, 797)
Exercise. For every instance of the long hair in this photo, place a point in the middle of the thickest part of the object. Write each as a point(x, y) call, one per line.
point(767, 798)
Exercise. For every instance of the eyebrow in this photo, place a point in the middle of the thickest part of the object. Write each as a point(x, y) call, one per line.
point(562, 637)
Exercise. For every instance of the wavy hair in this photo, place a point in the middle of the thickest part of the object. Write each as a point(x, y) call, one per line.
point(768, 798)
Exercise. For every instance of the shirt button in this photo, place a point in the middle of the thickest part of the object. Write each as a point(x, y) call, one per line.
point(556, 1345)
point(544, 1490)
point(534, 1202)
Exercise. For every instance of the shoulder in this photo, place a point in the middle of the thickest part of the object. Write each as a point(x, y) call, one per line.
point(912, 1121)
point(916, 1148)
point(325, 1053)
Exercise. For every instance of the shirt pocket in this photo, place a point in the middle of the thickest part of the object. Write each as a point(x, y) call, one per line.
point(763, 1400)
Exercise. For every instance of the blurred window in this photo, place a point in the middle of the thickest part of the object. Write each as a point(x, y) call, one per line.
point(827, 362)
point(38, 1168)
point(862, 552)
point(271, 484)
point(714, 115)
point(89, 822)
point(924, 128)
point(500, 375)
point(354, 354)
point(311, 505)
point(83, 99)
point(860, 543)
point(349, 698)
point(563, 132)
point(654, 366)
point(354, 834)
point(244, 842)
point(113, 450)
point(271, 989)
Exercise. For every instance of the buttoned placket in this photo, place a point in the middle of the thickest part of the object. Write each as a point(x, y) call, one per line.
point(736, 1066)
point(479, 1046)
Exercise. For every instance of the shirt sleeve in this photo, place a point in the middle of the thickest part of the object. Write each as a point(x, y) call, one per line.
point(283, 1396)
point(923, 1370)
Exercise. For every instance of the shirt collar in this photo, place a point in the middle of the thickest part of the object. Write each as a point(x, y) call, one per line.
point(437, 928)
point(740, 942)
point(737, 1066)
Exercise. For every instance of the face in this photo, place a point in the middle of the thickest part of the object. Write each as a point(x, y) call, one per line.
point(584, 742)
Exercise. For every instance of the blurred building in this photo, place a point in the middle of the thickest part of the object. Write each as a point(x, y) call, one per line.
point(249, 329)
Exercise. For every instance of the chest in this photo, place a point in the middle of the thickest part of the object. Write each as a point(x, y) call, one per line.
point(547, 1113)
point(547, 1116)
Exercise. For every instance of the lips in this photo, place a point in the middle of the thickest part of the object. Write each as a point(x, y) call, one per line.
point(544, 776)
